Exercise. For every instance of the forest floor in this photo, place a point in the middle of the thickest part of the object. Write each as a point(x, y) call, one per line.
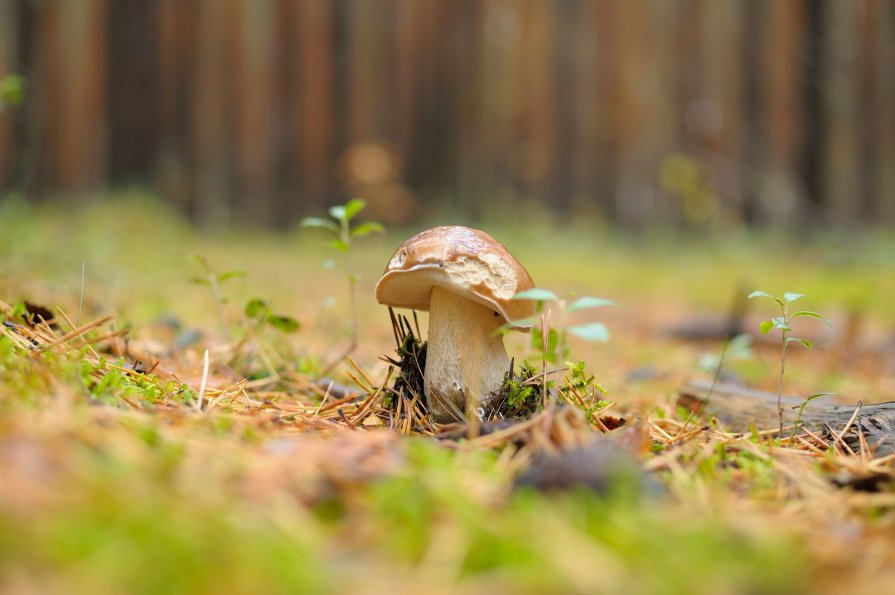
point(123, 471)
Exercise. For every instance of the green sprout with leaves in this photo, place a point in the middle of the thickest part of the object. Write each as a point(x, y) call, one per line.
point(257, 311)
point(343, 239)
point(209, 278)
point(551, 341)
point(782, 323)
point(259, 314)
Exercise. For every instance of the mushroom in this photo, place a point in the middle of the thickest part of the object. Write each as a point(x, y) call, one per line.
point(466, 280)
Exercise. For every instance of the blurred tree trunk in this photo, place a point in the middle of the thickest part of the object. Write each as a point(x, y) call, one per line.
point(252, 78)
point(815, 126)
point(471, 192)
point(566, 96)
point(843, 187)
point(780, 108)
point(642, 119)
point(535, 154)
point(134, 98)
point(70, 95)
point(754, 17)
point(870, 38)
point(314, 130)
point(9, 43)
point(884, 119)
point(582, 165)
point(365, 66)
point(178, 32)
point(209, 107)
point(718, 118)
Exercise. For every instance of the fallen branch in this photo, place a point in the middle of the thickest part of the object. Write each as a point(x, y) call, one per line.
point(740, 408)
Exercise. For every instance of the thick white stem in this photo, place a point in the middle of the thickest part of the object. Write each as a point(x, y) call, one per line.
point(465, 359)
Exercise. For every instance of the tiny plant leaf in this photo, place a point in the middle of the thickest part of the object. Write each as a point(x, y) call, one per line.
point(791, 297)
point(338, 244)
point(366, 229)
point(765, 294)
point(353, 207)
point(200, 260)
point(541, 295)
point(810, 314)
point(230, 275)
point(816, 396)
point(589, 302)
point(766, 326)
point(804, 342)
point(338, 212)
point(255, 307)
point(320, 222)
point(592, 331)
point(522, 322)
point(287, 324)
point(781, 323)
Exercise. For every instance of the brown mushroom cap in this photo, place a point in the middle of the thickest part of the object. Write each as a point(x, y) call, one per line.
point(465, 261)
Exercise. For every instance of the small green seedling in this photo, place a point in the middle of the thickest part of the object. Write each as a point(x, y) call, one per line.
point(343, 236)
point(214, 281)
point(258, 316)
point(551, 341)
point(782, 323)
point(259, 313)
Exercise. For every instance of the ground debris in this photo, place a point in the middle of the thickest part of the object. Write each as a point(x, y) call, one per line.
point(601, 466)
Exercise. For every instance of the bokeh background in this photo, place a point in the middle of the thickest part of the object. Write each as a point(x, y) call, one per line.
point(703, 113)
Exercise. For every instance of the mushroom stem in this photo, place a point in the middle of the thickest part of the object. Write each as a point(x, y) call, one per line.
point(465, 358)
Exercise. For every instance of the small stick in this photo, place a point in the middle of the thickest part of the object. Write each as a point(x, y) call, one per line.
point(81, 301)
point(83, 339)
point(395, 329)
point(76, 332)
point(323, 400)
point(368, 401)
point(862, 442)
point(363, 374)
point(839, 440)
point(810, 446)
point(816, 437)
point(203, 383)
point(398, 410)
point(357, 381)
point(416, 323)
point(854, 416)
point(338, 403)
point(346, 420)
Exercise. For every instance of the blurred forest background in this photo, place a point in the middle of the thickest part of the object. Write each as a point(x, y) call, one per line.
point(711, 113)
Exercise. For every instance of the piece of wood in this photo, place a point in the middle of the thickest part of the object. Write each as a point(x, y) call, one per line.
point(739, 408)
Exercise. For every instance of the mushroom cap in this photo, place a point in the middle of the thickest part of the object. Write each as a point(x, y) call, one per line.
point(465, 261)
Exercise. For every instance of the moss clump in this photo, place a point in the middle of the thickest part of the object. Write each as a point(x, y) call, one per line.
point(519, 397)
